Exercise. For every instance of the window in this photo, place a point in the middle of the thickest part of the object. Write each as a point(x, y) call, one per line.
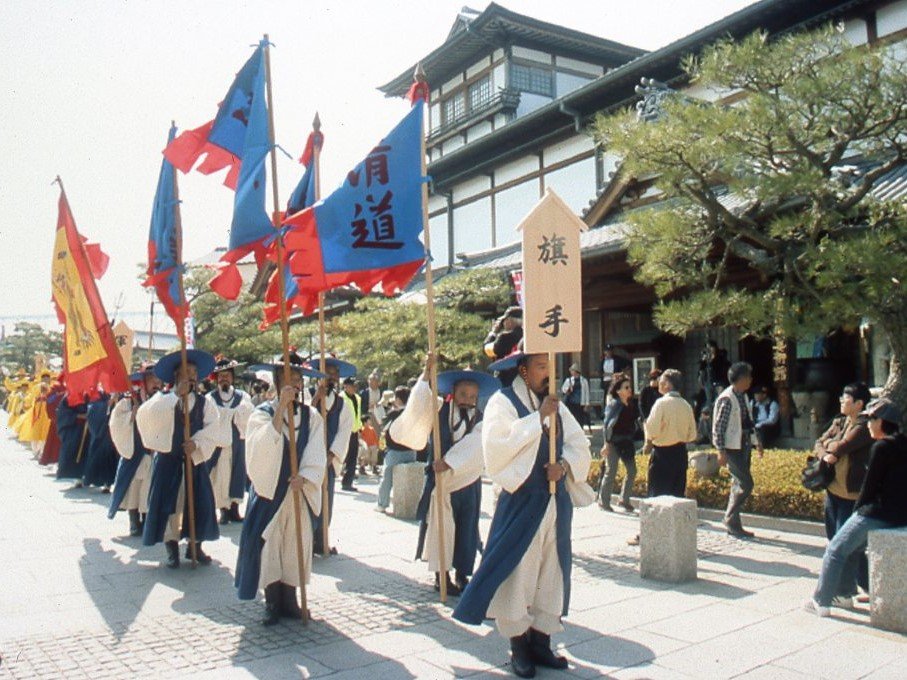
point(532, 79)
point(454, 107)
point(479, 93)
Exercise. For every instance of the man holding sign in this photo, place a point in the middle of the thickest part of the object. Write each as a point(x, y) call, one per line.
point(537, 452)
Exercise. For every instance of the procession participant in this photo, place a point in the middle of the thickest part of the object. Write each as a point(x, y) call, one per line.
point(460, 469)
point(228, 464)
point(72, 428)
point(133, 479)
point(101, 466)
point(51, 452)
point(267, 547)
point(15, 402)
point(35, 432)
point(339, 429)
point(523, 581)
point(160, 422)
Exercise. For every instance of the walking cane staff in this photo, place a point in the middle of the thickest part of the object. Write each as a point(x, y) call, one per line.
point(419, 76)
point(184, 368)
point(552, 424)
point(285, 337)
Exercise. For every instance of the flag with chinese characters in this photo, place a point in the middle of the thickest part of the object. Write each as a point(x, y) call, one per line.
point(237, 138)
point(164, 266)
point(552, 277)
point(366, 233)
point(90, 355)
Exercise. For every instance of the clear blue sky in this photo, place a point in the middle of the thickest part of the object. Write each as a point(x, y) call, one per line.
point(90, 86)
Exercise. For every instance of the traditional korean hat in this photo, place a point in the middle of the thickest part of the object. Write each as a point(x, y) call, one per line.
point(165, 369)
point(296, 363)
point(448, 380)
point(345, 369)
point(222, 363)
point(144, 369)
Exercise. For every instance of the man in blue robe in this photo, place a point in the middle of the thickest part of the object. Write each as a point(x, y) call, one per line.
point(523, 581)
point(161, 425)
point(72, 428)
point(102, 459)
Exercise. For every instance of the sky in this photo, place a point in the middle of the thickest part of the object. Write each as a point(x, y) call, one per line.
point(89, 88)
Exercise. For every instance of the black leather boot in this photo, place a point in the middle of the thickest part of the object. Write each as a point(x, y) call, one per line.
point(200, 555)
point(452, 588)
point(234, 513)
point(289, 606)
point(135, 526)
point(272, 604)
point(461, 580)
point(540, 651)
point(173, 554)
point(520, 658)
point(224, 516)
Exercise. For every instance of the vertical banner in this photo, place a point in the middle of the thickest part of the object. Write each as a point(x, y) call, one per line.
point(516, 278)
point(124, 337)
point(551, 278)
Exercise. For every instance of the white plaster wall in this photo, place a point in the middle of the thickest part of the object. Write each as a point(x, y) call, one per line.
point(592, 69)
point(478, 66)
point(439, 240)
point(511, 206)
point(532, 55)
point(452, 83)
point(515, 169)
point(530, 102)
point(891, 18)
point(575, 184)
point(471, 187)
point(452, 144)
point(565, 83)
point(568, 148)
point(472, 227)
point(480, 130)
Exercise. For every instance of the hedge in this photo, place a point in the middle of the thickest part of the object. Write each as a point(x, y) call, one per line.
point(777, 491)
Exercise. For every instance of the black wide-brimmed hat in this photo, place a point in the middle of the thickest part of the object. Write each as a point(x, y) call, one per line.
point(145, 368)
point(165, 369)
point(297, 363)
point(448, 380)
point(344, 368)
point(222, 363)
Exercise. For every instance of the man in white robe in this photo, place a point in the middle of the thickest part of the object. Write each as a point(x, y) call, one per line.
point(268, 556)
point(228, 466)
point(160, 423)
point(133, 478)
point(523, 581)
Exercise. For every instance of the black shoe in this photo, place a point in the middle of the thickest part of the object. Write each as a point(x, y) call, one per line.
point(289, 607)
point(737, 530)
point(234, 513)
point(224, 516)
point(520, 657)
point(628, 507)
point(540, 651)
point(200, 556)
point(348, 487)
point(362, 470)
point(462, 581)
point(605, 506)
point(452, 588)
point(135, 524)
point(173, 554)
point(272, 604)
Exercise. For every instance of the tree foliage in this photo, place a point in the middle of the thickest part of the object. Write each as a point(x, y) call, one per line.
point(776, 185)
point(27, 339)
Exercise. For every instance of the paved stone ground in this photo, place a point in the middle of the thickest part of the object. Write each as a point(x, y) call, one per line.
point(77, 599)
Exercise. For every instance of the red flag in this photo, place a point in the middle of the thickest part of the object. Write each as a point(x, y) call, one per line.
point(90, 356)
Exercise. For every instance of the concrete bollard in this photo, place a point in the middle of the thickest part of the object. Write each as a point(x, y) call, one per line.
point(409, 478)
point(667, 539)
point(887, 586)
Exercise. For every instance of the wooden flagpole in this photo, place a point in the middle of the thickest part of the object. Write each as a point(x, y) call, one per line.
point(151, 330)
point(187, 429)
point(552, 425)
point(325, 500)
point(285, 336)
point(433, 351)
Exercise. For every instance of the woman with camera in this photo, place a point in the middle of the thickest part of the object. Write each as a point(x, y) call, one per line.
point(620, 426)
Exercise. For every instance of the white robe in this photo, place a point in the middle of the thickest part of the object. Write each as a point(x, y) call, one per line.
point(122, 425)
point(341, 441)
point(532, 595)
point(221, 473)
point(155, 420)
point(264, 455)
point(464, 457)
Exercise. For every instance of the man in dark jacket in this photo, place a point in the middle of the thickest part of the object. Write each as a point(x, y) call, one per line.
point(845, 446)
point(505, 335)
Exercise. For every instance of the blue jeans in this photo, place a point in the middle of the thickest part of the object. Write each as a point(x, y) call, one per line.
point(840, 562)
point(391, 458)
point(837, 511)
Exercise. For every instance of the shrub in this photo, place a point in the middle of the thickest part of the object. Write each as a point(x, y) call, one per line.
point(777, 492)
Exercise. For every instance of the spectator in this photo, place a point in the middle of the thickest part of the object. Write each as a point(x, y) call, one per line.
point(395, 453)
point(351, 395)
point(621, 423)
point(767, 415)
point(369, 438)
point(882, 504)
point(611, 364)
point(713, 368)
point(371, 400)
point(576, 396)
point(503, 338)
point(670, 426)
point(733, 430)
point(649, 393)
point(845, 446)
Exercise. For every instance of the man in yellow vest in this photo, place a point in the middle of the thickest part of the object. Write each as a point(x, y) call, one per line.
point(351, 397)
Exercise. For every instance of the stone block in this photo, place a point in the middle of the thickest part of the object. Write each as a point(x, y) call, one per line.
point(887, 585)
point(704, 464)
point(667, 539)
point(409, 478)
